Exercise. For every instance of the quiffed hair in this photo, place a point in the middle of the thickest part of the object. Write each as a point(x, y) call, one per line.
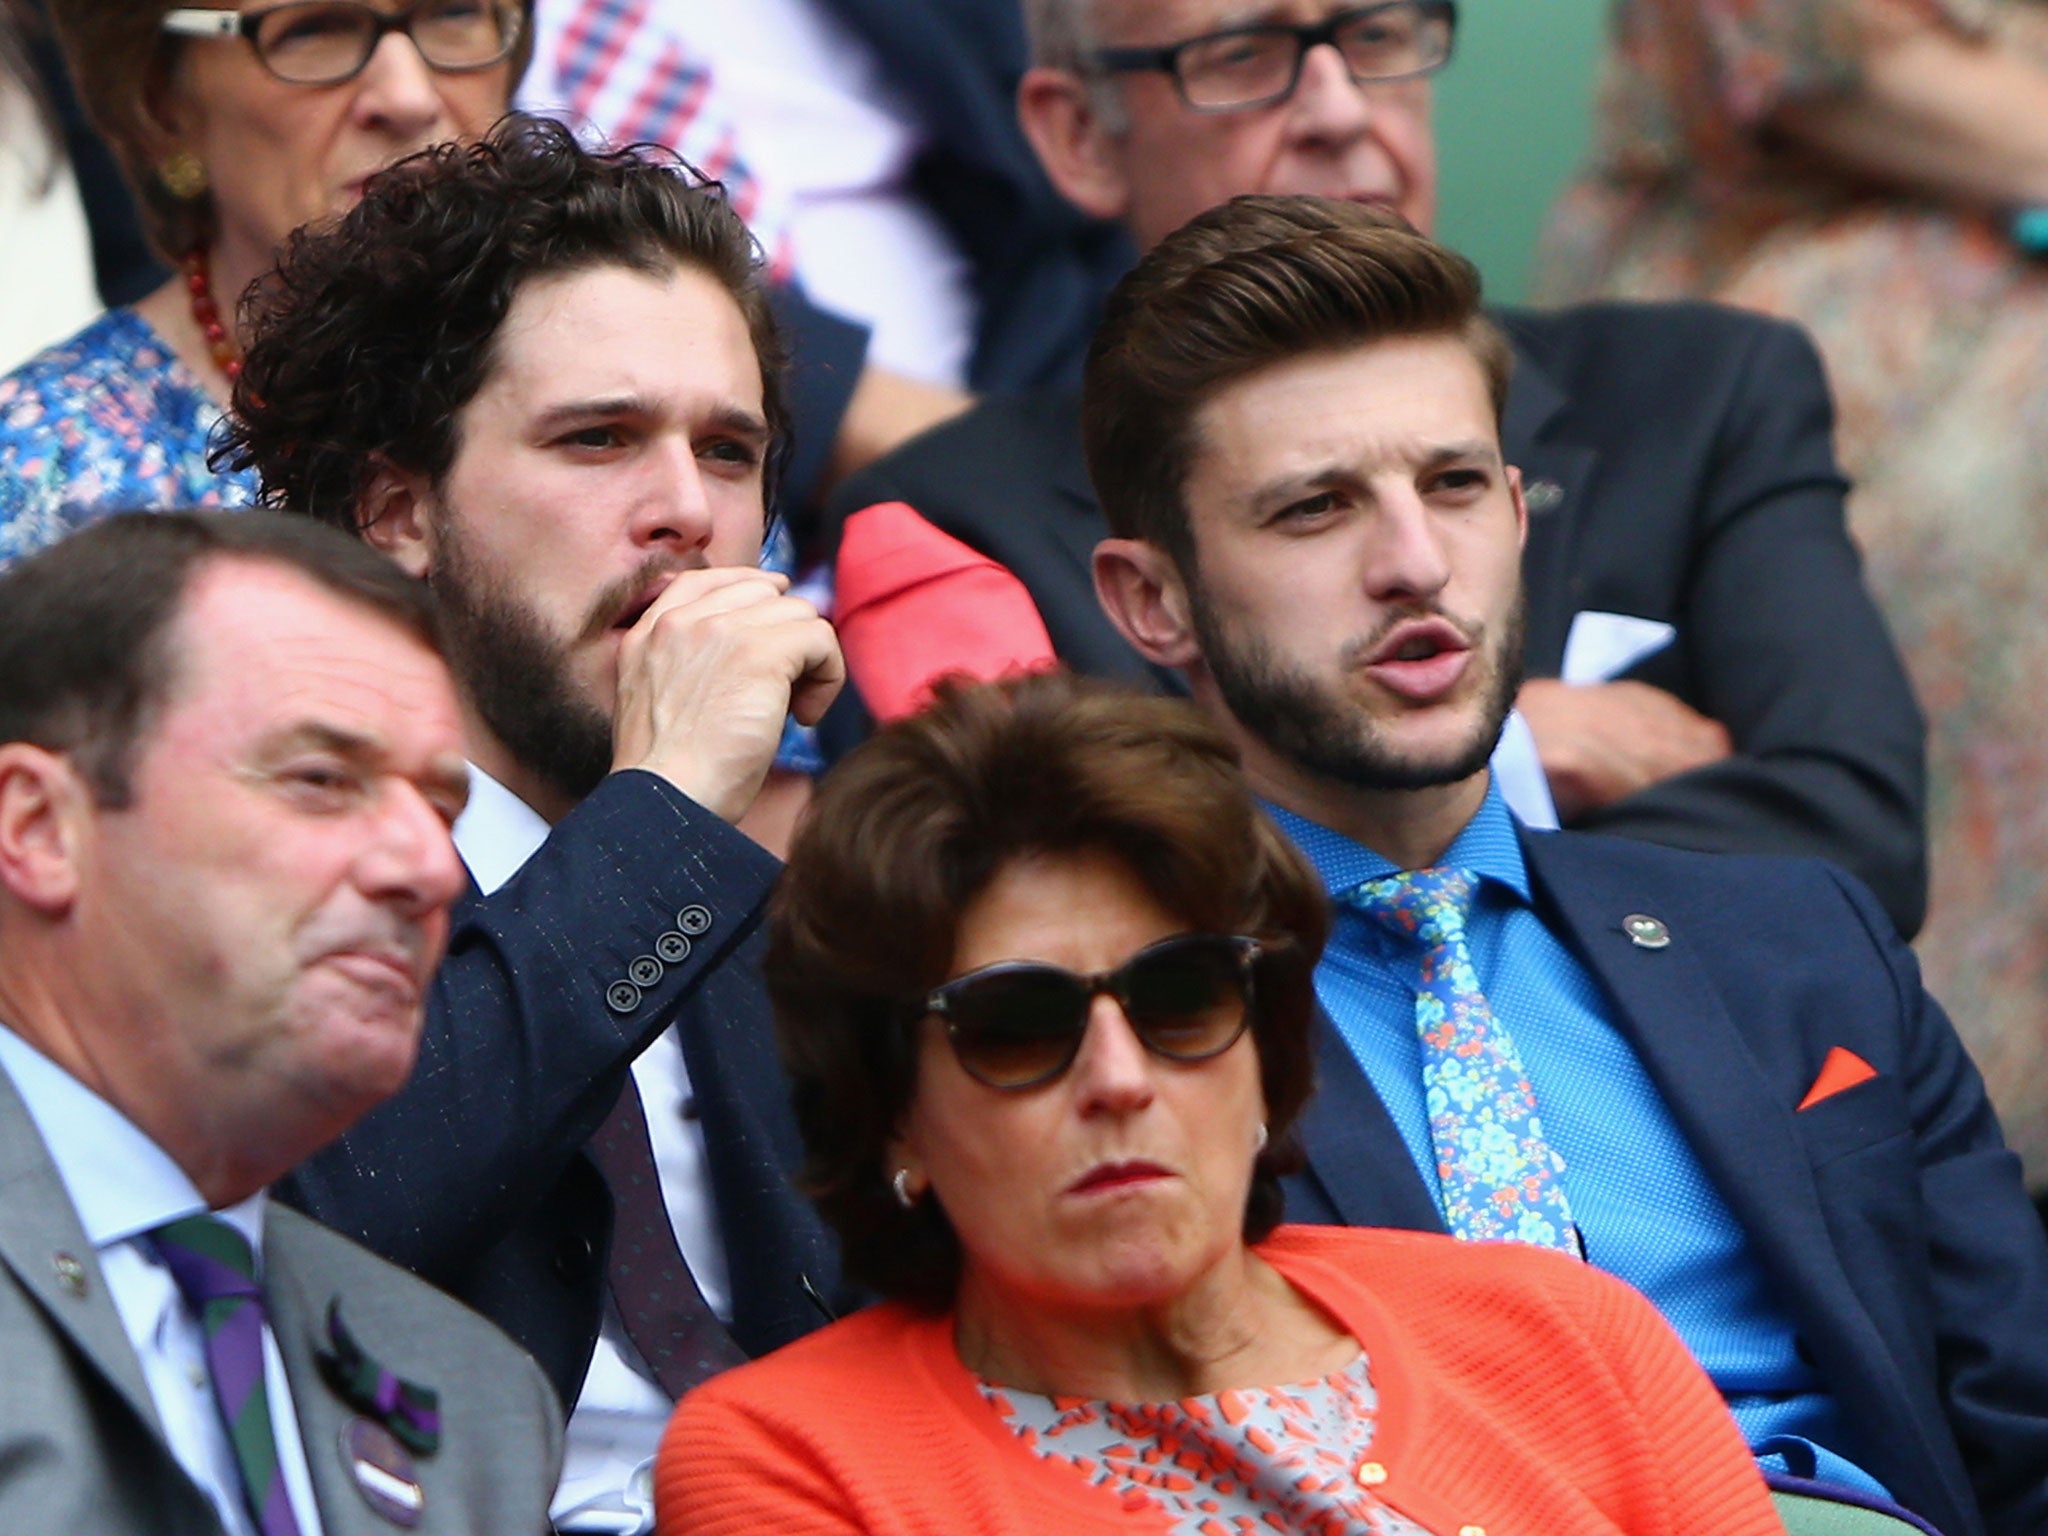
point(121, 58)
point(371, 336)
point(86, 659)
point(1254, 282)
point(915, 823)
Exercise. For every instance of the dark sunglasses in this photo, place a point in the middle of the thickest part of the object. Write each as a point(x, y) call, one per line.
point(1019, 1023)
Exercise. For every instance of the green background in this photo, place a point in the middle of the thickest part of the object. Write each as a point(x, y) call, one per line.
point(1512, 113)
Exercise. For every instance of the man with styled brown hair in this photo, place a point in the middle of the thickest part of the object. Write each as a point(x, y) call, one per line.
point(1706, 668)
point(1716, 1077)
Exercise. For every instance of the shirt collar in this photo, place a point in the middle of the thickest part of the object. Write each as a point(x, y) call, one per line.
point(497, 831)
point(121, 1183)
point(1489, 845)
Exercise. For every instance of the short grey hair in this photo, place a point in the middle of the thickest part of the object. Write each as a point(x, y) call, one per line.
point(1063, 35)
point(1061, 32)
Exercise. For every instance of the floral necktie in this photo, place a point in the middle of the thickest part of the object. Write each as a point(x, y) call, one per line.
point(1497, 1172)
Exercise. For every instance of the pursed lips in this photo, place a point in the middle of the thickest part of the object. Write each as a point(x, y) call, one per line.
point(1123, 1174)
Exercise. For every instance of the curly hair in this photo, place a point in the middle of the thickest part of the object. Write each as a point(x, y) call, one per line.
point(915, 823)
point(370, 336)
point(122, 59)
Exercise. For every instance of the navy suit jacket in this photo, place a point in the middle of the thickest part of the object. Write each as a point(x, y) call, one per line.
point(1687, 471)
point(474, 1175)
point(1890, 1216)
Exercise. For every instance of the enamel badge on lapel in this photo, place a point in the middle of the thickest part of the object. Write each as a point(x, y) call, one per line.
point(383, 1472)
point(399, 1418)
point(70, 1273)
point(1645, 931)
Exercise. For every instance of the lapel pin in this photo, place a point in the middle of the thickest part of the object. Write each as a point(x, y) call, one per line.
point(383, 1472)
point(1542, 495)
point(406, 1410)
point(1645, 931)
point(70, 1274)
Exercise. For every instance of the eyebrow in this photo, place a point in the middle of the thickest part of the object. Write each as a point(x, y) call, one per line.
point(730, 418)
point(1323, 476)
point(447, 774)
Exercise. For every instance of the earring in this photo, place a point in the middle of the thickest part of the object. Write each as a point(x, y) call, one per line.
point(183, 175)
point(901, 1184)
point(1259, 1141)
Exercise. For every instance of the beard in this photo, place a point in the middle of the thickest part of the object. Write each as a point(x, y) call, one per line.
point(1334, 737)
point(517, 675)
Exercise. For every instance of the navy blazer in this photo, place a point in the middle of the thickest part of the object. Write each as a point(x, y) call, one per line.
point(1687, 470)
point(1890, 1216)
point(474, 1175)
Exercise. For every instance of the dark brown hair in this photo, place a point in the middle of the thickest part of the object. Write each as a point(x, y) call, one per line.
point(86, 658)
point(915, 823)
point(121, 60)
point(1254, 282)
point(371, 336)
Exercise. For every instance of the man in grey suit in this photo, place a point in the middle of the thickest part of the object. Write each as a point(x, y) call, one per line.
point(230, 753)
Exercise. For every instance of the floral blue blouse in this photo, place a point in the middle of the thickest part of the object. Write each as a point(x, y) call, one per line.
point(107, 421)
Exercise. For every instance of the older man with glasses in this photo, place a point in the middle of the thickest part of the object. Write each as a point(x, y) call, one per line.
point(1706, 668)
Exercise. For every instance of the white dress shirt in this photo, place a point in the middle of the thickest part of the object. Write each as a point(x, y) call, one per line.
point(616, 1425)
point(123, 1185)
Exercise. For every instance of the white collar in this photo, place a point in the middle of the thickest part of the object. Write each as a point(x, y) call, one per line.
point(121, 1183)
point(497, 831)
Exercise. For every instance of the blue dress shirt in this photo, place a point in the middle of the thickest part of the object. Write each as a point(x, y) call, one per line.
point(1644, 1205)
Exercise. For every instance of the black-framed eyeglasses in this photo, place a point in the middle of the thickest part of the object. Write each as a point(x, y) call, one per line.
point(1256, 66)
point(324, 42)
point(1019, 1023)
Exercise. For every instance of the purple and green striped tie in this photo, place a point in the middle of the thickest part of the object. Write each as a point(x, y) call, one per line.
point(216, 1272)
point(1496, 1169)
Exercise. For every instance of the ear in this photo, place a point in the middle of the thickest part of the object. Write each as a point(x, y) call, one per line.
point(393, 517)
point(1078, 152)
point(1140, 588)
point(44, 806)
point(1521, 508)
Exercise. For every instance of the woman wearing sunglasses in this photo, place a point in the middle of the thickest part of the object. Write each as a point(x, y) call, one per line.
point(1043, 978)
point(235, 125)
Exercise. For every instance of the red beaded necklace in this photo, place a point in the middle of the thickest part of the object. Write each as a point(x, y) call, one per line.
point(197, 282)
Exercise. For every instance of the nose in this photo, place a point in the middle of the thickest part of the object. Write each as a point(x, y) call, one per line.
point(1328, 106)
point(1408, 559)
point(672, 512)
point(408, 859)
point(1113, 1073)
point(399, 93)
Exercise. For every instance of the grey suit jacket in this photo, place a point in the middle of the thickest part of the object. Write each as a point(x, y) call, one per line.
point(80, 1444)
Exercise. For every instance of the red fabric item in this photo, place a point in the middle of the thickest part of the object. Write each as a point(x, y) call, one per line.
point(1843, 1069)
point(913, 604)
point(1520, 1392)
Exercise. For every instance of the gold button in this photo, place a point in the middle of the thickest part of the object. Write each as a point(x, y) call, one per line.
point(1372, 1474)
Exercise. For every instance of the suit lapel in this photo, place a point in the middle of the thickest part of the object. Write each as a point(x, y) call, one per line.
point(1354, 1152)
point(37, 1225)
point(1671, 1013)
point(1555, 474)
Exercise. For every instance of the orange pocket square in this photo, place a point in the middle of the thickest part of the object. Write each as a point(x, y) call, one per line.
point(1842, 1070)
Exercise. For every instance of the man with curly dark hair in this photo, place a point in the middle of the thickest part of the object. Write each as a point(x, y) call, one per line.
point(545, 379)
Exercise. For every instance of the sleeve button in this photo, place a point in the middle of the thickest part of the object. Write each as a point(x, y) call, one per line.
point(694, 919)
point(645, 971)
point(673, 948)
point(622, 997)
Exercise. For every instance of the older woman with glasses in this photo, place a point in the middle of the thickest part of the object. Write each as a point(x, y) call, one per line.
point(1042, 976)
point(236, 126)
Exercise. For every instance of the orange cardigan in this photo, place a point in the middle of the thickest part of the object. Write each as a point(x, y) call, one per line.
point(1521, 1394)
